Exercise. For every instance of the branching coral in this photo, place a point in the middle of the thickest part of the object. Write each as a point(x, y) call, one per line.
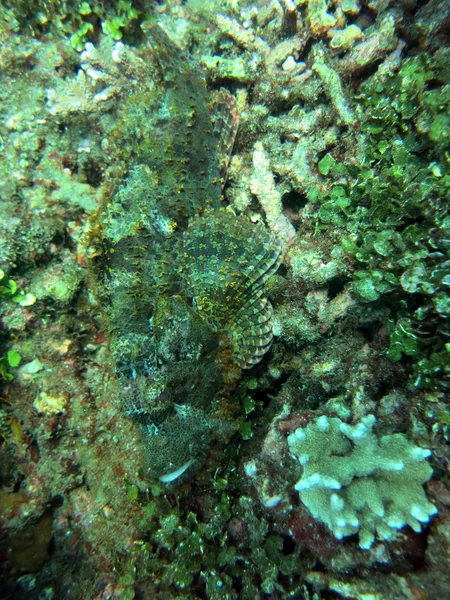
point(106, 72)
point(262, 184)
point(283, 75)
point(356, 482)
point(333, 86)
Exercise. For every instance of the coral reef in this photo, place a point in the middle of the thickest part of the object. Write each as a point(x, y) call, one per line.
point(180, 296)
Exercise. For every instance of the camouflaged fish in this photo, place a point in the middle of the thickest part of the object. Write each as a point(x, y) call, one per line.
point(180, 277)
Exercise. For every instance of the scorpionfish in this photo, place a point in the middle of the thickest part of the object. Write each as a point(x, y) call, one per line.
point(180, 278)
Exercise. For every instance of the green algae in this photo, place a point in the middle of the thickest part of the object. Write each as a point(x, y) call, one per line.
point(395, 211)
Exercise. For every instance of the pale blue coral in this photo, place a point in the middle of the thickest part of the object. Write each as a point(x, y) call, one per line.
point(355, 482)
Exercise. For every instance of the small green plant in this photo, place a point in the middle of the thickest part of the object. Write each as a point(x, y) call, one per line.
point(9, 289)
point(113, 27)
point(81, 36)
point(389, 208)
point(113, 22)
point(12, 359)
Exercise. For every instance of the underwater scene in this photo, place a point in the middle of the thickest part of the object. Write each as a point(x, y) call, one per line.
point(224, 299)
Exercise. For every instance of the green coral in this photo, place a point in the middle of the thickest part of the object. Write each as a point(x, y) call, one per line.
point(355, 482)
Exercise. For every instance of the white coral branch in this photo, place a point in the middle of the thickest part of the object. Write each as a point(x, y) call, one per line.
point(262, 185)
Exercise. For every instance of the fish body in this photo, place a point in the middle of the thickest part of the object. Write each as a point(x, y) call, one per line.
point(179, 277)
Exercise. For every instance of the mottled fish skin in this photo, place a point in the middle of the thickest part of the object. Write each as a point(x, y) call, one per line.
point(179, 277)
point(167, 136)
point(178, 140)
